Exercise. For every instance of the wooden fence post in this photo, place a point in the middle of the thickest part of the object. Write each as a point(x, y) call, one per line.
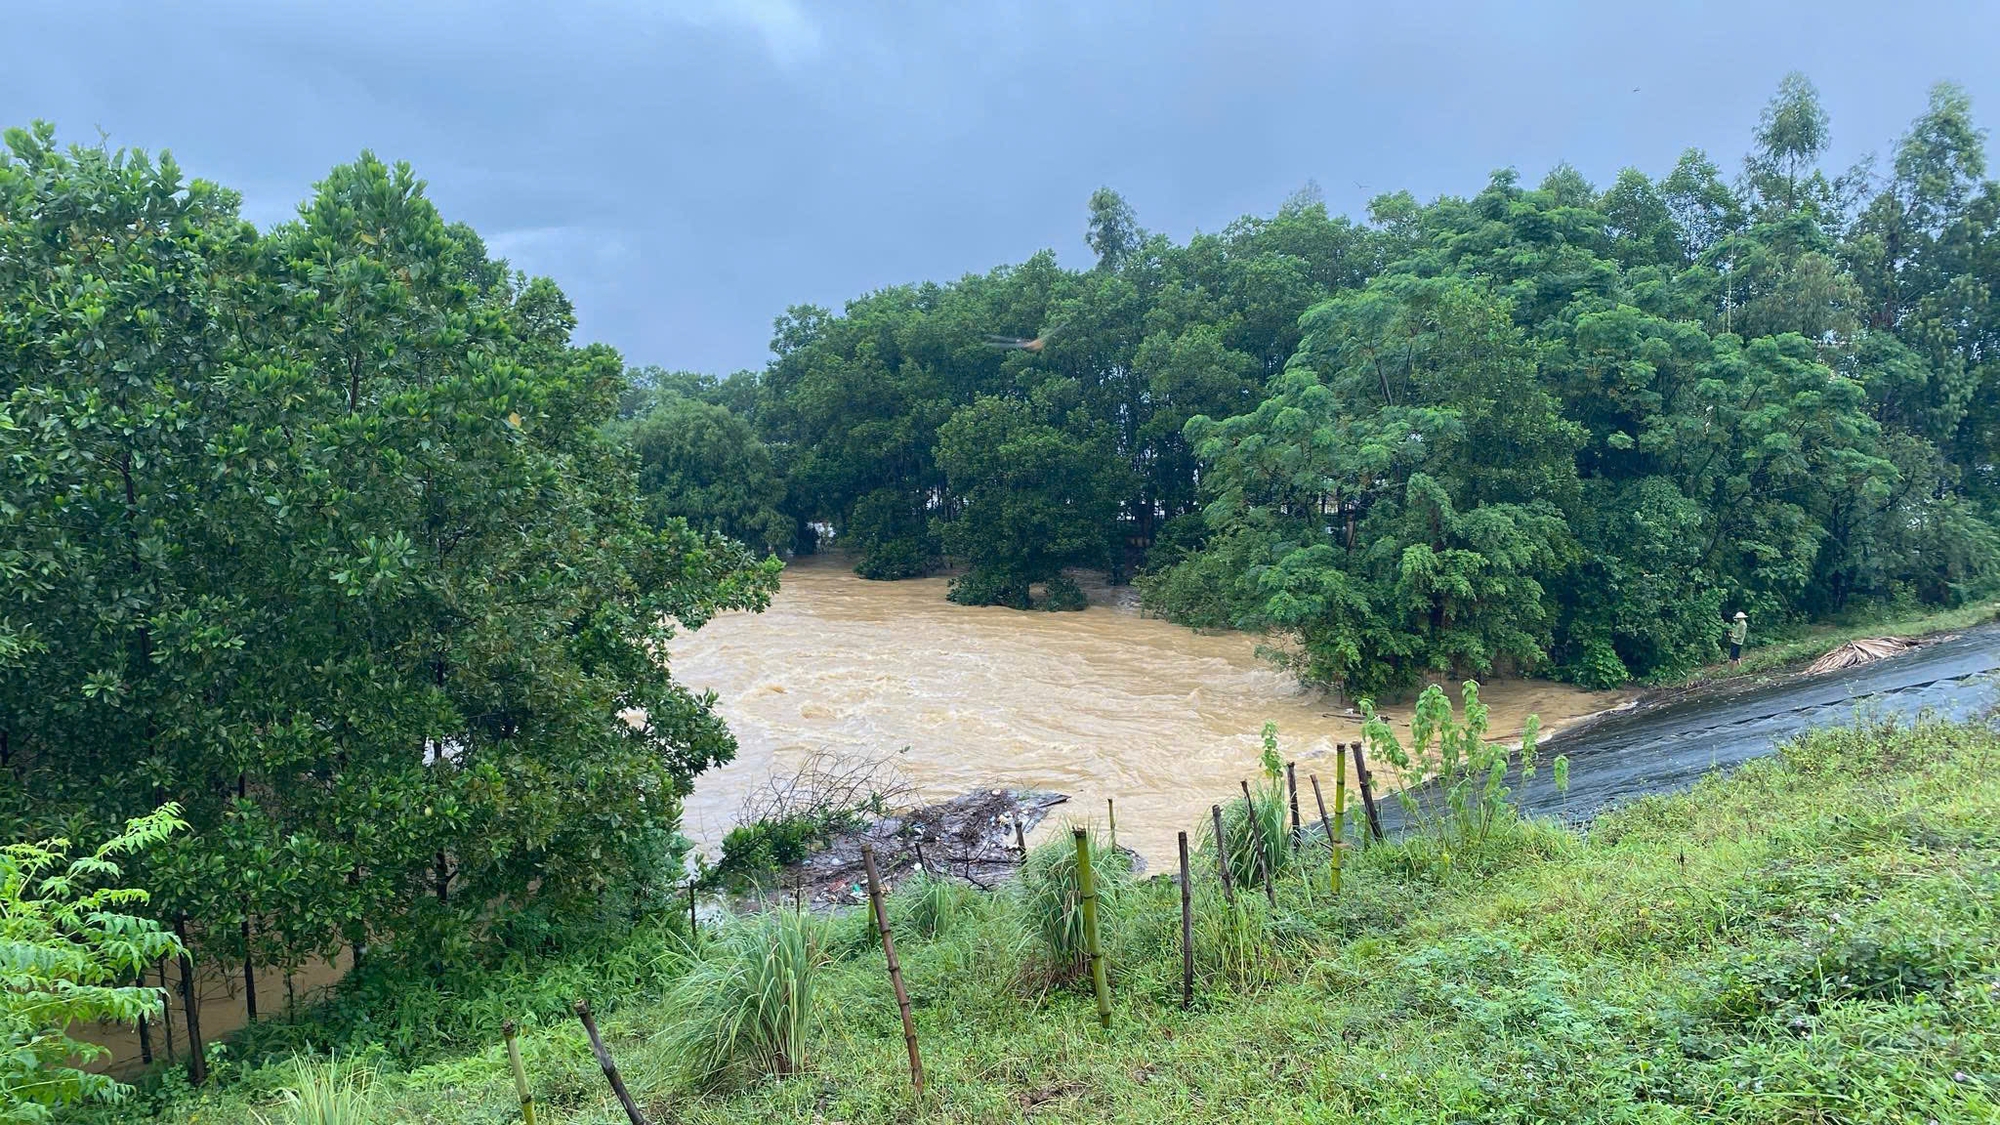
point(895, 967)
point(145, 1032)
point(1086, 885)
point(507, 1031)
point(1222, 856)
point(1292, 785)
point(167, 1010)
point(1187, 930)
point(1333, 843)
point(1111, 813)
point(1020, 837)
point(1362, 777)
point(1339, 817)
point(610, 1068)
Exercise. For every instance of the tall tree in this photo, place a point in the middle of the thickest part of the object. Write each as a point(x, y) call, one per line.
point(321, 541)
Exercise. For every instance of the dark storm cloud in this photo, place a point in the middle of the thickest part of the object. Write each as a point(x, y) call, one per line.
point(687, 168)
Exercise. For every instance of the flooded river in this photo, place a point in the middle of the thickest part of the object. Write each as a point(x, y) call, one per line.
point(1101, 703)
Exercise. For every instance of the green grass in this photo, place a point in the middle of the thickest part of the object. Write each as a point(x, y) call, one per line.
point(329, 1092)
point(748, 1003)
point(1809, 940)
point(1789, 647)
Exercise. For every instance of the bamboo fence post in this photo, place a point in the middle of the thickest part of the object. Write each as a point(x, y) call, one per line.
point(1222, 856)
point(1333, 845)
point(1339, 817)
point(1087, 887)
point(1257, 844)
point(1020, 837)
point(895, 966)
point(1361, 777)
point(1292, 785)
point(1111, 813)
point(190, 1006)
point(507, 1031)
point(610, 1068)
point(1187, 930)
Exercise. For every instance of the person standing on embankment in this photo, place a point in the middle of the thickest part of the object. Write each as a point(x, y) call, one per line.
point(1739, 631)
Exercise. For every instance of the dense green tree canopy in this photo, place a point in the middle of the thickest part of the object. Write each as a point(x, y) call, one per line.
point(702, 463)
point(314, 532)
point(1559, 428)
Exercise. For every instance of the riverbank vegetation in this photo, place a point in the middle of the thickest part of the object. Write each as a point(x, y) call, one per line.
point(1808, 939)
point(1555, 426)
point(314, 532)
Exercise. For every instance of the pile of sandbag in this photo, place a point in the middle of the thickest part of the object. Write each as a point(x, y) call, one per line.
point(1860, 652)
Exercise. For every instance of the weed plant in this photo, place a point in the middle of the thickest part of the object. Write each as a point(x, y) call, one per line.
point(1454, 781)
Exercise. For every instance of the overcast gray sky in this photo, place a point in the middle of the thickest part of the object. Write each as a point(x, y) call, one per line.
point(686, 169)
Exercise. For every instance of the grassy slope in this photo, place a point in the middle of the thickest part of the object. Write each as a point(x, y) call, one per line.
point(1809, 940)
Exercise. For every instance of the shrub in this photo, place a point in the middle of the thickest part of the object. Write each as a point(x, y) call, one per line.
point(1248, 833)
point(1232, 940)
point(894, 559)
point(929, 905)
point(748, 1005)
point(1599, 667)
point(1261, 827)
point(751, 853)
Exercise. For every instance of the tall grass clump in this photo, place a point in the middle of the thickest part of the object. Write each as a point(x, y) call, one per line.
point(1052, 901)
point(1232, 940)
point(1253, 834)
point(748, 1005)
point(325, 1092)
point(929, 905)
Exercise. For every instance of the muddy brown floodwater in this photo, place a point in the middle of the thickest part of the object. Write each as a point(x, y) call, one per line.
point(1096, 704)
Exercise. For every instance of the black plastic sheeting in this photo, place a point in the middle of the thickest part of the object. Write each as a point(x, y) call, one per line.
point(1670, 746)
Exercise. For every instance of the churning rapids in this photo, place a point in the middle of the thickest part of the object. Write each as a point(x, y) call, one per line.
point(1096, 704)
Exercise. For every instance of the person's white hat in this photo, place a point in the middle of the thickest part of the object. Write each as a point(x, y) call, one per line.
point(1742, 616)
